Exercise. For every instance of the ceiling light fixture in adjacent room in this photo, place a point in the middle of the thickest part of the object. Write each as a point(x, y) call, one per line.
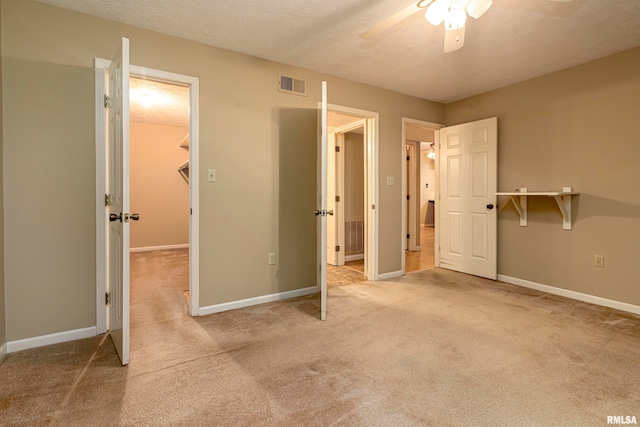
point(432, 151)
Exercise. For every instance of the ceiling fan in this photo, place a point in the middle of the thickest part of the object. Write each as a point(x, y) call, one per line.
point(453, 13)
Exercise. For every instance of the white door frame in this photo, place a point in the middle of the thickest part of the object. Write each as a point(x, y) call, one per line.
point(340, 141)
point(411, 177)
point(371, 184)
point(436, 127)
point(193, 83)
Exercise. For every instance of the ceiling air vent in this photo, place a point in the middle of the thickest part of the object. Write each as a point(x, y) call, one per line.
point(292, 85)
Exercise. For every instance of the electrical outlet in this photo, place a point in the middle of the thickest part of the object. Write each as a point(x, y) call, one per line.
point(272, 258)
point(598, 261)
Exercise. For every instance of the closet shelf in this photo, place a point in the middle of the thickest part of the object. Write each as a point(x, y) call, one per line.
point(562, 198)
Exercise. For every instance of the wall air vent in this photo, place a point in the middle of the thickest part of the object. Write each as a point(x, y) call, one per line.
point(292, 85)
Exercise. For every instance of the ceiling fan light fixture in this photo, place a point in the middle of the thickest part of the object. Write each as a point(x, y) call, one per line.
point(455, 19)
point(437, 11)
point(477, 8)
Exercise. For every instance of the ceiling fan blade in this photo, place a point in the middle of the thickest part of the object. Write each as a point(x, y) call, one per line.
point(394, 19)
point(453, 39)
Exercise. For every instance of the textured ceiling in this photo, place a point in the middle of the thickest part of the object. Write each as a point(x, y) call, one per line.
point(158, 103)
point(516, 40)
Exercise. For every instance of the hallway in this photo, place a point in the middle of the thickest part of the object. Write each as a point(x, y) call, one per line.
point(423, 259)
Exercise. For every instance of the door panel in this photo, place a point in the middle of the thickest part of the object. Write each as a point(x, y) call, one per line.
point(468, 172)
point(321, 212)
point(118, 192)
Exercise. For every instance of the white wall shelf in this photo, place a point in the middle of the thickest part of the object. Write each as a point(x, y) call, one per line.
point(562, 198)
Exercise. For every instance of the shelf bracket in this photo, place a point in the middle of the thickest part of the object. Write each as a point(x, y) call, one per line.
point(564, 204)
point(520, 203)
point(522, 210)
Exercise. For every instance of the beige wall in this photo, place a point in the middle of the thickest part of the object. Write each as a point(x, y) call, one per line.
point(262, 143)
point(354, 177)
point(3, 336)
point(575, 127)
point(158, 192)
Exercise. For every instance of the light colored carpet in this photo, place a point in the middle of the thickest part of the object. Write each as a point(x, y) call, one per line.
point(340, 276)
point(432, 348)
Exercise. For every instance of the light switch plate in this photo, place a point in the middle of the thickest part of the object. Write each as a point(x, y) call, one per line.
point(391, 180)
point(211, 175)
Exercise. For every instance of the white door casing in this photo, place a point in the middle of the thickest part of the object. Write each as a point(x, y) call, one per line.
point(102, 223)
point(340, 134)
point(406, 190)
point(118, 197)
point(468, 160)
point(371, 183)
point(332, 192)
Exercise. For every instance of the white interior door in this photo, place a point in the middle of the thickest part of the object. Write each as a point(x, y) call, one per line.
point(468, 182)
point(118, 192)
point(332, 220)
point(321, 212)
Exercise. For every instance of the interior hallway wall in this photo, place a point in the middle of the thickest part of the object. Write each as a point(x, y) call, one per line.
point(261, 142)
point(159, 193)
point(575, 127)
point(354, 177)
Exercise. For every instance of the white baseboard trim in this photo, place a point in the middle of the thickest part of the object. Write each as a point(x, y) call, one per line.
point(159, 248)
point(3, 351)
point(623, 306)
point(27, 343)
point(391, 275)
point(356, 257)
point(218, 308)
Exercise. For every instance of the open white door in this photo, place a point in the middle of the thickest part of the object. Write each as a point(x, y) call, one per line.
point(118, 194)
point(468, 172)
point(321, 212)
point(332, 206)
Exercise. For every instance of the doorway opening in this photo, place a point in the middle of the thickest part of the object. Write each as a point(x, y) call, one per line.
point(420, 192)
point(159, 193)
point(188, 134)
point(350, 165)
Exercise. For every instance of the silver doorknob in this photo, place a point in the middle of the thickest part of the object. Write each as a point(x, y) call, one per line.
point(330, 213)
point(490, 206)
point(114, 217)
point(135, 217)
point(316, 212)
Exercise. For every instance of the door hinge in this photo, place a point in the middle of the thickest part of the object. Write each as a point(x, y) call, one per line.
point(337, 248)
point(408, 197)
point(408, 158)
point(373, 206)
point(107, 101)
point(337, 148)
point(106, 200)
point(191, 211)
point(106, 298)
point(408, 235)
point(337, 198)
